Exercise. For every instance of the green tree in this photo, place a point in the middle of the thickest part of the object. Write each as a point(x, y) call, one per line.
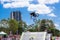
point(22, 26)
point(13, 25)
point(55, 32)
point(4, 26)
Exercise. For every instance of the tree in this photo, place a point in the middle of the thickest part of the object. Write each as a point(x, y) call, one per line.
point(4, 26)
point(44, 24)
point(54, 31)
point(21, 27)
point(32, 30)
point(4, 20)
point(13, 25)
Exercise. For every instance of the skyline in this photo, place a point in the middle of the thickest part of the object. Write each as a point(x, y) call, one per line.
point(47, 9)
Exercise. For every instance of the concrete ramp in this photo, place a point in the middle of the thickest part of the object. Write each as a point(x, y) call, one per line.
point(33, 36)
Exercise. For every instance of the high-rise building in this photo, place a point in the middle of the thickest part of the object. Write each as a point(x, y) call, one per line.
point(16, 15)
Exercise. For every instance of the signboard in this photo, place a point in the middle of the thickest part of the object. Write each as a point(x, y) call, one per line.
point(33, 36)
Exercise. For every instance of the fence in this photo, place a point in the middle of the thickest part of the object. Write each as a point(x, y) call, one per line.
point(56, 38)
point(10, 39)
point(16, 37)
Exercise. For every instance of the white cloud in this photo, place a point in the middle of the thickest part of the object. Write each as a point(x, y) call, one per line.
point(40, 8)
point(52, 15)
point(48, 1)
point(57, 25)
point(2, 1)
point(16, 4)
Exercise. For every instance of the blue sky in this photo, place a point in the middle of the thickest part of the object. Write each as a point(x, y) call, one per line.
point(47, 9)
